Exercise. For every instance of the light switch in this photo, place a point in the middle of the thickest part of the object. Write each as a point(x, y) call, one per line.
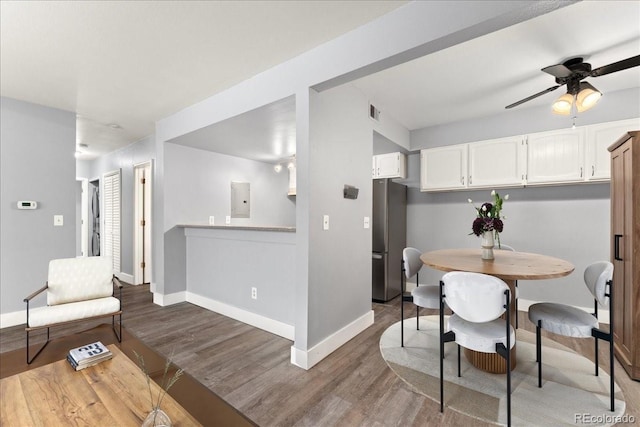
point(58, 220)
point(366, 222)
point(325, 222)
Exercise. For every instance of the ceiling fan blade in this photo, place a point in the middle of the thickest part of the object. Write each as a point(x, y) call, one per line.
point(634, 61)
point(559, 70)
point(522, 101)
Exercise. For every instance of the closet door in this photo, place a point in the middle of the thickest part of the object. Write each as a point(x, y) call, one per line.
point(111, 214)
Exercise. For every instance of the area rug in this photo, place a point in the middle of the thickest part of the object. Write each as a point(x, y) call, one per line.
point(570, 395)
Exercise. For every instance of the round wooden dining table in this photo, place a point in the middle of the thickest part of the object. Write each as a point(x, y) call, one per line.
point(506, 265)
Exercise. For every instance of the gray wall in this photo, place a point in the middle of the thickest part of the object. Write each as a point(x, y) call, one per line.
point(197, 184)
point(37, 146)
point(571, 222)
point(124, 159)
point(339, 259)
point(224, 265)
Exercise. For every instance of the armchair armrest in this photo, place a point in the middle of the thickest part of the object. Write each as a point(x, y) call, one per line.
point(116, 282)
point(30, 297)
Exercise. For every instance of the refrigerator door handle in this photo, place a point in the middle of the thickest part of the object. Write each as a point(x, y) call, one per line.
point(376, 256)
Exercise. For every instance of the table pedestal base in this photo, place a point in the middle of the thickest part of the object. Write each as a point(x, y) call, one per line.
point(490, 362)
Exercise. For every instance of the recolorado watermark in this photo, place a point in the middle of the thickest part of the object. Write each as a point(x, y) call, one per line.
point(586, 418)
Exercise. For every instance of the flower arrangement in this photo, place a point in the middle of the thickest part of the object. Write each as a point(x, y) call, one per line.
point(488, 217)
point(157, 416)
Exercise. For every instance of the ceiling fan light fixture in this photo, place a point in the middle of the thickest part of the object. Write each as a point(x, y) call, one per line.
point(587, 97)
point(563, 104)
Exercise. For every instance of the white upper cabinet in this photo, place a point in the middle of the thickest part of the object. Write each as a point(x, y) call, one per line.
point(555, 157)
point(599, 138)
point(498, 162)
point(391, 165)
point(565, 156)
point(443, 168)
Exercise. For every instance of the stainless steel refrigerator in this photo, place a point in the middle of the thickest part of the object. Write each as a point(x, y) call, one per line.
point(389, 221)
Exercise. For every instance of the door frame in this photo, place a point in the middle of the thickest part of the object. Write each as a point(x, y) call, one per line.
point(142, 209)
point(83, 221)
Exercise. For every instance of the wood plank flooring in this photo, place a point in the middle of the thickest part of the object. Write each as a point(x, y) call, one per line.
point(251, 368)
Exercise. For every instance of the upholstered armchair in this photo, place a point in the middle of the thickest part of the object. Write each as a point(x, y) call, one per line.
point(77, 289)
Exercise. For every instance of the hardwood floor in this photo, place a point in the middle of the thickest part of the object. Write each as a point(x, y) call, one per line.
point(250, 368)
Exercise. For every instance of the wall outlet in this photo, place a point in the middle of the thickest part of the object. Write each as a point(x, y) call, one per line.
point(254, 293)
point(325, 222)
point(58, 220)
point(212, 220)
point(366, 222)
point(227, 219)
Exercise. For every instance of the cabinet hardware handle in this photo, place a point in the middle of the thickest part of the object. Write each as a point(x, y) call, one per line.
point(616, 247)
point(593, 170)
point(462, 180)
point(469, 179)
point(580, 171)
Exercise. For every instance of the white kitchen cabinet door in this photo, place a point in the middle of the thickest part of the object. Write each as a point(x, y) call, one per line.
point(391, 165)
point(443, 168)
point(497, 163)
point(598, 138)
point(555, 157)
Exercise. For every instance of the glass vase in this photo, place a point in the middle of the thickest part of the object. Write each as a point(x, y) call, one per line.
point(157, 418)
point(487, 245)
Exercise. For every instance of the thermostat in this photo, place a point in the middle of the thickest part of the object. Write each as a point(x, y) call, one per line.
point(26, 204)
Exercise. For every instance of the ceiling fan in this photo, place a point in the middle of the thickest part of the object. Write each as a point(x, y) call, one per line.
point(582, 94)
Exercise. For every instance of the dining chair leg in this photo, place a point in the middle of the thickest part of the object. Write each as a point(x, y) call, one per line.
point(539, 352)
point(417, 318)
point(596, 350)
point(459, 375)
point(611, 379)
point(401, 320)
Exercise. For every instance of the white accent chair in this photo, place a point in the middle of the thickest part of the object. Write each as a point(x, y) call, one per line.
point(570, 321)
point(478, 301)
point(77, 289)
point(427, 296)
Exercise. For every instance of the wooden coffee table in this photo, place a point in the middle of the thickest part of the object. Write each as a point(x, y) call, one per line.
point(113, 392)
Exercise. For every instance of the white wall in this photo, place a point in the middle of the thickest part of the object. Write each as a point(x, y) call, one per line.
point(37, 146)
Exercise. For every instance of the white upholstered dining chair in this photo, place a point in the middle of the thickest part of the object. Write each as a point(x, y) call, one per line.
point(570, 321)
point(426, 296)
point(477, 301)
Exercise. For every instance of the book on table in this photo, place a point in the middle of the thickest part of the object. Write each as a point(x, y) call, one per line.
point(88, 355)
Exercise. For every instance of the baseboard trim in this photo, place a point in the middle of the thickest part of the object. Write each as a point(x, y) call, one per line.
point(169, 299)
point(265, 323)
point(128, 278)
point(14, 318)
point(307, 359)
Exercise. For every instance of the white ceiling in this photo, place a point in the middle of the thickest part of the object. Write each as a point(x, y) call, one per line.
point(123, 65)
point(482, 76)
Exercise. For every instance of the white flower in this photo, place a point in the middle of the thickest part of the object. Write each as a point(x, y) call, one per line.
point(493, 192)
point(506, 197)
